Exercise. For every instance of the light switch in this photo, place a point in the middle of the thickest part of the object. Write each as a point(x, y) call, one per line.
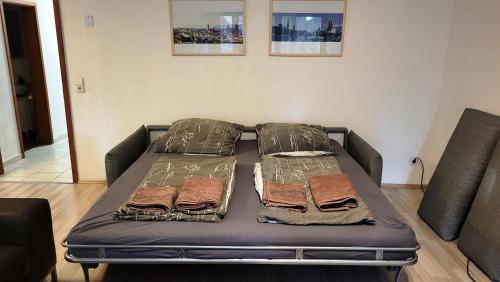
point(89, 21)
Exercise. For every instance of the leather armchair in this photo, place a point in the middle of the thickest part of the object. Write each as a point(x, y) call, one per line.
point(27, 250)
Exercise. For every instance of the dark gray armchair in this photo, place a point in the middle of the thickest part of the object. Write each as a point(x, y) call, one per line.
point(27, 250)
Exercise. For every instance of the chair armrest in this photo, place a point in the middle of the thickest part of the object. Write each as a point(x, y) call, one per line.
point(369, 159)
point(27, 223)
point(123, 155)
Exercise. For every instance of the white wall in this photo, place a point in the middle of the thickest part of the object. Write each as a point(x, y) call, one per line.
point(9, 141)
point(386, 87)
point(472, 70)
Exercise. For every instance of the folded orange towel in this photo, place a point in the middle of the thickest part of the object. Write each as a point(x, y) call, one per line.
point(153, 199)
point(333, 192)
point(200, 193)
point(289, 196)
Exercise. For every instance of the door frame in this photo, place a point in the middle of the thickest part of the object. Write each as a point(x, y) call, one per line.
point(64, 78)
point(1, 163)
point(66, 92)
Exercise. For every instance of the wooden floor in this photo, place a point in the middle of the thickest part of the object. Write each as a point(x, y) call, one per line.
point(438, 260)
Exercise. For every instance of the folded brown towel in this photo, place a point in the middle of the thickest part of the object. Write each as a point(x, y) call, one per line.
point(153, 199)
point(289, 196)
point(200, 193)
point(333, 192)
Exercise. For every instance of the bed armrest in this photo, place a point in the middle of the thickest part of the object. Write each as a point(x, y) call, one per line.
point(369, 159)
point(123, 155)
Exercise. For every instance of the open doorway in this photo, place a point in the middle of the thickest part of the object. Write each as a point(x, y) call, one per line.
point(38, 97)
point(29, 76)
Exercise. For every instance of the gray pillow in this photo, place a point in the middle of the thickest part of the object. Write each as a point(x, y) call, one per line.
point(458, 174)
point(200, 136)
point(479, 239)
point(275, 138)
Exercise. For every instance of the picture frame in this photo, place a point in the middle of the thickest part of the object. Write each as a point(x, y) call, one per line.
point(307, 28)
point(208, 27)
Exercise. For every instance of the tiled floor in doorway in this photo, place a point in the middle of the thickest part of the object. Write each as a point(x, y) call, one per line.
point(42, 164)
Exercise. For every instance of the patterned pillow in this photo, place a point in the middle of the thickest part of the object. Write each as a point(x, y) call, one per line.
point(277, 138)
point(200, 136)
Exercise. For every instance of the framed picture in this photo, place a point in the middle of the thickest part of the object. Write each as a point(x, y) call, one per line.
point(307, 28)
point(208, 27)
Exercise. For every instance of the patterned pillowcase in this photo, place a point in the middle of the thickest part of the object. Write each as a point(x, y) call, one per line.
point(276, 138)
point(200, 136)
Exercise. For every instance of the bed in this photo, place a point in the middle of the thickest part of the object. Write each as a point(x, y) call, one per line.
point(239, 238)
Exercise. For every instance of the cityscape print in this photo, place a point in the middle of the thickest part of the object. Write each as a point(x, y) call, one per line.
point(307, 27)
point(225, 33)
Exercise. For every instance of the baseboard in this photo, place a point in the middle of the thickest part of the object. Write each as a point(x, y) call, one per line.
point(12, 160)
point(62, 137)
point(401, 186)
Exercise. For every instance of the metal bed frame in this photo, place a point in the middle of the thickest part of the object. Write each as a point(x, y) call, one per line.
point(88, 263)
point(92, 263)
point(151, 129)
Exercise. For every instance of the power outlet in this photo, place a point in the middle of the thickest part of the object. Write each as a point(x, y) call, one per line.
point(412, 161)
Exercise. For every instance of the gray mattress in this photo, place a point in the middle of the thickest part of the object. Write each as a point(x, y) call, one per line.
point(240, 226)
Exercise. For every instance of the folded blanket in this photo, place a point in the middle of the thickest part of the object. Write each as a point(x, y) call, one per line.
point(297, 170)
point(289, 196)
point(200, 193)
point(167, 171)
point(333, 192)
point(153, 199)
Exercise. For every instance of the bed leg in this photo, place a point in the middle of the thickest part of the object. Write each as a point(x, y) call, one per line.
point(53, 275)
point(85, 268)
point(396, 270)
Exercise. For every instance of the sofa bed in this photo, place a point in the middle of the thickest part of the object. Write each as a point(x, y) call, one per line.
point(239, 238)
